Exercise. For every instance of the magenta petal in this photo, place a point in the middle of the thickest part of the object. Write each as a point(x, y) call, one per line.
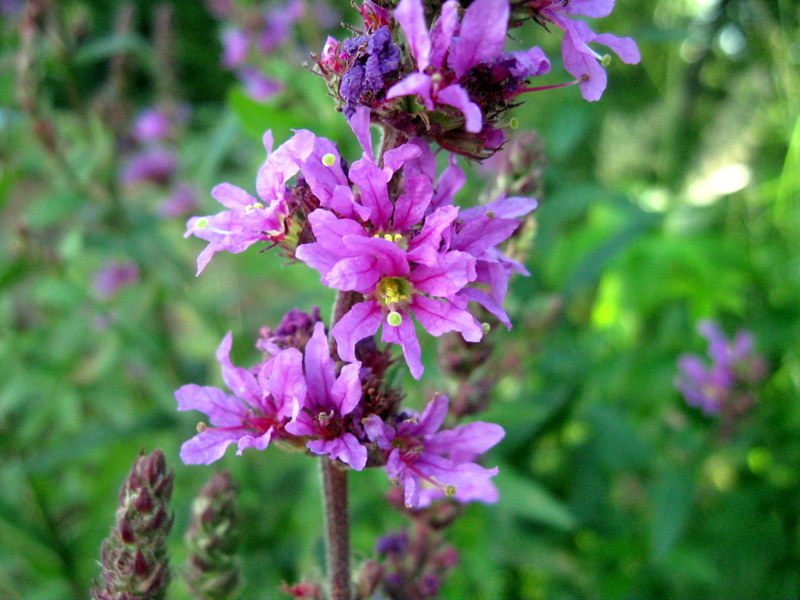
point(320, 369)
point(482, 35)
point(589, 8)
point(378, 432)
point(411, 16)
point(329, 229)
point(286, 382)
point(361, 321)
point(465, 442)
point(345, 448)
point(447, 277)
point(443, 31)
point(487, 302)
point(355, 273)
point(240, 381)
point(505, 208)
point(406, 336)
point(231, 196)
point(346, 391)
point(424, 248)
point(209, 446)
point(391, 259)
point(371, 180)
point(441, 316)
point(625, 47)
point(359, 123)
point(416, 83)
point(410, 207)
point(323, 179)
point(451, 180)
point(222, 409)
point(396, 157)
point(432, 417)
point(455, 95)
point(316, 257)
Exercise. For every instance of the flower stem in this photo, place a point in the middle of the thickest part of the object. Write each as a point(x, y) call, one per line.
point(334, 481)
point(334, 490)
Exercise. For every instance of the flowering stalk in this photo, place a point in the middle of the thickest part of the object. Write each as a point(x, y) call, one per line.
point(134, 556)
point(385, 231)
point(211, 571)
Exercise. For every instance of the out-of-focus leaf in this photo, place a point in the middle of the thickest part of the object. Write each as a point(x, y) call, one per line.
point(112, 45)
point(528, 499)
point(672, 500)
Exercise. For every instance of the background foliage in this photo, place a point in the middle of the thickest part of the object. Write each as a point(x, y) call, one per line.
point(675, 198)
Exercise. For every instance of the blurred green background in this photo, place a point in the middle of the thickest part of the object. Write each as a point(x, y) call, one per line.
point(672, 199)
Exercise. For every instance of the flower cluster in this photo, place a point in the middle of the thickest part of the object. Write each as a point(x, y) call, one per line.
point(452, 81)
point(725, 386)
point(297, 397)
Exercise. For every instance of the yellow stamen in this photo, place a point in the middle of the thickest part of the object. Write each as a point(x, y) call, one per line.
point(328, 159)
point(201, 427)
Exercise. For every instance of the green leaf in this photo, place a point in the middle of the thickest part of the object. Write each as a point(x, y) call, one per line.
point(526, 498)
point(672, 496)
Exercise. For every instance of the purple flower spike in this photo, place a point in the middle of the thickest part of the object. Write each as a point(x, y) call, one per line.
point(432, 464)
point(256, 412)
point(328, 400)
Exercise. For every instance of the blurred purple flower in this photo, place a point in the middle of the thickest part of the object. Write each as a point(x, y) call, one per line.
point(723, 387)
point(181, 202)
point(278, 24)
point(151, 124)
point(234, 47)
point(258, 86)
point(155, 165)
point(114, 276)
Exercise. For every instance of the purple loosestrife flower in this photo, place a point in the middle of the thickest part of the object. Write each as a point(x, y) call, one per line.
point(261, 404)
point(446, 55)
point(462, 65)
point(478, 232)
point(114, 276)
point(182, 201)
point(249, 220)
point(580, 60)
point(278, 24)
point(235, 44)
point(258, 86)
point(722, 387)
point(152, 124)
point(328, 400)
point(432, 464)
point(394, 258)
point(155, 165)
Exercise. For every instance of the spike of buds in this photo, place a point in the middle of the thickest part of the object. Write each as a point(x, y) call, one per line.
point(212, 572)
point(134, 556)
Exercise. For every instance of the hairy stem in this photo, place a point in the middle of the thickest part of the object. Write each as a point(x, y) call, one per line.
point(334, 481)
point(334, 489)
